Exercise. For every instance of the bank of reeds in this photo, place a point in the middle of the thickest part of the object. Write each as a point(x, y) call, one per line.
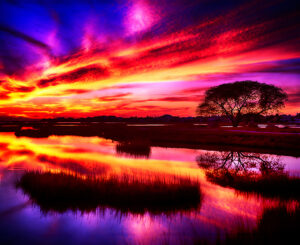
point(137, 149)
point(126, 193)
point(280, 186)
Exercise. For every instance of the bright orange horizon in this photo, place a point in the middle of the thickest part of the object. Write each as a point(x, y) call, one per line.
point(145, 59)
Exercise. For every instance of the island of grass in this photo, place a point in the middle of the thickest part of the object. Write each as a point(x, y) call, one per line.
point(273, 186)
point(136, 149)
point(126, 193)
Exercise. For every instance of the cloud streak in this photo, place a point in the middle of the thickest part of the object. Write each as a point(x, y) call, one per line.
point(155, 54)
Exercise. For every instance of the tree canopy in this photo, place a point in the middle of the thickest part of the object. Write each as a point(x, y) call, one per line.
point(237, 99)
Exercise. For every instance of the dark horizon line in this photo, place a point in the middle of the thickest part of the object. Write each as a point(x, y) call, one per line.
point(104, 117)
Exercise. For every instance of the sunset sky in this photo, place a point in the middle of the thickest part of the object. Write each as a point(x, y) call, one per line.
point(141, 57)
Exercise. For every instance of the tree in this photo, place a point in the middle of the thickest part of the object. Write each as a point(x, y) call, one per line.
point(235, 100)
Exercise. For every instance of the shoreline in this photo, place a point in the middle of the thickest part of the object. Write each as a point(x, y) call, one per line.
point(269, 140)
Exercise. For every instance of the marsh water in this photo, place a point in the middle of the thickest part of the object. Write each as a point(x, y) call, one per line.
point(223, 209)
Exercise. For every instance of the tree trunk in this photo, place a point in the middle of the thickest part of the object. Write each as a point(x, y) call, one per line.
point(235, 122)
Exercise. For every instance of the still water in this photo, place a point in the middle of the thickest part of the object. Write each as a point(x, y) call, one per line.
point(223, 210)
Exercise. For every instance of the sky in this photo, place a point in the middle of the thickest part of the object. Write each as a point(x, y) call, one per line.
point(85, 58)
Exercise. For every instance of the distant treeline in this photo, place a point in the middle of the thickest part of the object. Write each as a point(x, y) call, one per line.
point(165, 119)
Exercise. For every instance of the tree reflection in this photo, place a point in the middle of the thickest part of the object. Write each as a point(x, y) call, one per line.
point(250, 172)
point(241, 163)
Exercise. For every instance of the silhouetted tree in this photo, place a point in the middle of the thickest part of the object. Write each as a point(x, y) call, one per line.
point(235, 100)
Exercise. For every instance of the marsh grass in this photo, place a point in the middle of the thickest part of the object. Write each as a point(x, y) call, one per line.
point(280, 186)
point(126, 193)
point(137, 149)
point(276, 226)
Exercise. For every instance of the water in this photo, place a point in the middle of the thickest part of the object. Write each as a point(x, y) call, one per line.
point(148, 125)
point(223, 210)
point(279, 125)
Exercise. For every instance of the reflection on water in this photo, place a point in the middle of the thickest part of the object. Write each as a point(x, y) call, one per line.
point(148, 125)
point(222, 213)
point(241, 163)
point(277, 225)
point(251, 173)
point(279, 125)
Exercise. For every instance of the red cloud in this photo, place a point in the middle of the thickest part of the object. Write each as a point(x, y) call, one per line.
point(76, 91)
point(115, 97)
point(4, 96)
point(24, 89)
point(88, 72)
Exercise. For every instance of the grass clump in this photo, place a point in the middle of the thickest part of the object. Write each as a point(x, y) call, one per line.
point(137, 149)
point(280, 186)
point(126, 193)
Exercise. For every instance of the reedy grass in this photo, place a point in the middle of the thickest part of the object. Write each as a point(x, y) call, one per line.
point(274, 186)
point(125, 193)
